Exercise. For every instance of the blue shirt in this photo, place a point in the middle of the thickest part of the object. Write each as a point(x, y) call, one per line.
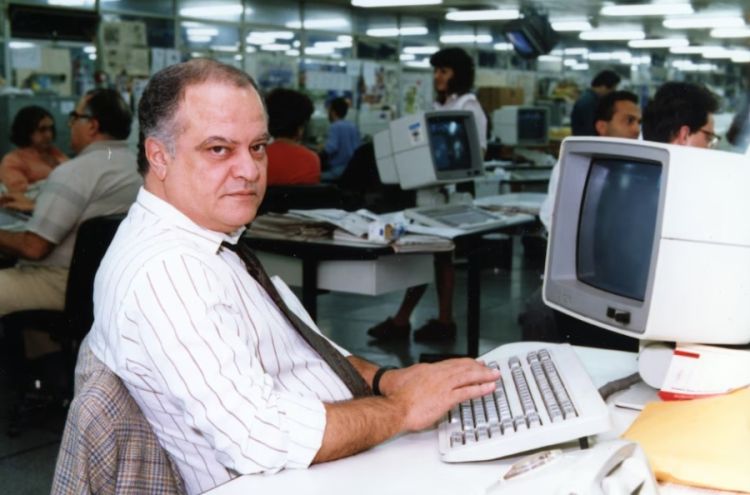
point(343, 139)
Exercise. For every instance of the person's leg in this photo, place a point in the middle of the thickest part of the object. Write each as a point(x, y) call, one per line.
point(398, 326)
point(443, 328)
point(408, 303)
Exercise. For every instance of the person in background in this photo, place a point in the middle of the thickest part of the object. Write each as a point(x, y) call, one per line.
point(681, 113)
point(101, 180)
point(453, 76)
point(33, 132)
point(616, 115)
point(223, 361)
point(289, 162)
point(343, 139)
point(582, 117)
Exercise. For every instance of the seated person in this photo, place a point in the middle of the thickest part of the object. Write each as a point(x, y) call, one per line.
point(101, 180)
point(288, 161)
point(33, 132)
point(343, 139)
point(233, 379)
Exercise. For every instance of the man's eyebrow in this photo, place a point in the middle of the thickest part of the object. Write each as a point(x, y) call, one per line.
point(213, 140)
point(263, 137)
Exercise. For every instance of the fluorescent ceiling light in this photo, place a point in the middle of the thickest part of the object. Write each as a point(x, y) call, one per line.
point(571, 25)
point(465, 38)
point(255, 39)
point(702, 22)
point(89, 49)
point(658, 43)
point(583, 66)
point(718, 52)
point(503, 47)
point(212, 11)
point(238, 57)
point(741, 58)
point(276, 47)
point(404, 31)
point(549, 58)
point(345, 38)
point(421, 50)
point(647, 9)
point(742, 32)
point(69, 3)
point(419, 64)
point(334, 44)
point(570, 62)
point(199, 38)
point(405, 57)
point(279, 35)
point(319, 50)
point(250, 49)
point(202, 31)
point(332, 22)
point(612, 35)
point(18, 45)
point(692, 50)
point(576, 51)
point(393, 3)
point(92, 56)
point(292, 53)
point(225, 48)
point(483, 15)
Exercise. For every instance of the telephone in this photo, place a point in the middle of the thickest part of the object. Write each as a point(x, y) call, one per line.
point(615, 467)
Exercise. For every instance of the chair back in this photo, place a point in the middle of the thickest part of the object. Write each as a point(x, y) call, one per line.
point(280, 199)
point(94, 237)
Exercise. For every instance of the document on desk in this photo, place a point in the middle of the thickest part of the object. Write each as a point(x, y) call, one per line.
point(702, 442)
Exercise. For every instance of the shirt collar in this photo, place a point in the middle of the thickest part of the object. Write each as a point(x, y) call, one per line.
point(103, 145)
point(211, 239)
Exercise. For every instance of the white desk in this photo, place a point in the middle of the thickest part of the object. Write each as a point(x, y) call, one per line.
point(410, 464)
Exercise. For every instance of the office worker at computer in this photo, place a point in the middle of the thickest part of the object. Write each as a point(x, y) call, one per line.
point(453, 77)
point(617, 115)
point(681, 113)
point(289, 162)
point(217, 356)
point(582, 117)
point(342, 141)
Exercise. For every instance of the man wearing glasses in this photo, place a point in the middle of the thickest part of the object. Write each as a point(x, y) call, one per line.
point(681, 113)
point(101, 180)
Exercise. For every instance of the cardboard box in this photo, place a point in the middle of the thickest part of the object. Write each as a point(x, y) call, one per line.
point(493, 97)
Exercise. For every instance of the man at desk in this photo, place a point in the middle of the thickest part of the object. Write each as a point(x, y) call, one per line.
point(101, 180)
point(221, 359)
point(343, 139)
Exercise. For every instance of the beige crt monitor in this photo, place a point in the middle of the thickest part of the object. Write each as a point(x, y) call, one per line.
point(652, 240)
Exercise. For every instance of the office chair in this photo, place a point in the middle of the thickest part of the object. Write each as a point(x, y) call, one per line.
point(282, 198)
point(68, 327)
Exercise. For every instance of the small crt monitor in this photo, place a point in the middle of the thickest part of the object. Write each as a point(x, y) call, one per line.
point(652, 240)
point(517, 125)
point(430, 148)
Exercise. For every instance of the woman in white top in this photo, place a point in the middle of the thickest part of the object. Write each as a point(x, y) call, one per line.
point(453, 77)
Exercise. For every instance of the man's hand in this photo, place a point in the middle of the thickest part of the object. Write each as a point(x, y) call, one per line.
point(427, 391)
point(17, 201)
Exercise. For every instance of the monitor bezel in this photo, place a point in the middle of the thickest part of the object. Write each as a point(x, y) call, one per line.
point(562, 289)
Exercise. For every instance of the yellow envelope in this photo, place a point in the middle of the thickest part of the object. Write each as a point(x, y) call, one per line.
point(701, 442)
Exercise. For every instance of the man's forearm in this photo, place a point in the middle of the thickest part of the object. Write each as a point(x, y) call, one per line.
point(357, 425)
point(24, 245)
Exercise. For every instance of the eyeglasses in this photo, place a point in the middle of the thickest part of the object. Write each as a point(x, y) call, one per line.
point(73, 116)
point(713, 139)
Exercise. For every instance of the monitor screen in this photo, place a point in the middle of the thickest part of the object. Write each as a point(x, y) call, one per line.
point(532, 124)
point(521, 44)
point(449, 141)
point(617, 224)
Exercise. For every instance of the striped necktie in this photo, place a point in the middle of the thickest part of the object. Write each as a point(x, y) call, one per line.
point(338, 363)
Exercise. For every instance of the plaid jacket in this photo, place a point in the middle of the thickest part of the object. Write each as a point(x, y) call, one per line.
point(108, 446)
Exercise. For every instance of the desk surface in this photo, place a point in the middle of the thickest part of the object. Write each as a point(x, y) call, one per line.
point(411, 463)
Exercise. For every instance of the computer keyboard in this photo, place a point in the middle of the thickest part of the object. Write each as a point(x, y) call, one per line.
point(543, 397)
point(457, 216)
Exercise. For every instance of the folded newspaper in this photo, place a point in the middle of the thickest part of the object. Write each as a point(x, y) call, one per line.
point(361, 227)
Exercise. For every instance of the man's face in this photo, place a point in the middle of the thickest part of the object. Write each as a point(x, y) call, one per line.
point(442, 75)
point(704, 137)
point(625, 123)
point(44, 134)
point(217, 176)
point(83, 128)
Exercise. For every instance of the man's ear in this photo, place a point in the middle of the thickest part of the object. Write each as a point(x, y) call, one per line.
point(682, 136)
point(601, 127)
point(157, 156)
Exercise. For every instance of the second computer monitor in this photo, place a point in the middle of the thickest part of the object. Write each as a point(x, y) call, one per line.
point(517, 125)
point(431, 148)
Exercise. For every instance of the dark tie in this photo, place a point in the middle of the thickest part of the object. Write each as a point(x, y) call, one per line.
point(338, 363)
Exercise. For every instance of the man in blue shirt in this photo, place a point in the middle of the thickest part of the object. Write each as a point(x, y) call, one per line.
point(343, 139)
point(582, 116)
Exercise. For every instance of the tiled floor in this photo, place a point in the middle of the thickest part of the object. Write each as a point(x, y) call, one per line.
point(27, 462)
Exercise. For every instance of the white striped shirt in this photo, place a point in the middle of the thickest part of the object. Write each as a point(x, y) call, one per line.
point(225, 381)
